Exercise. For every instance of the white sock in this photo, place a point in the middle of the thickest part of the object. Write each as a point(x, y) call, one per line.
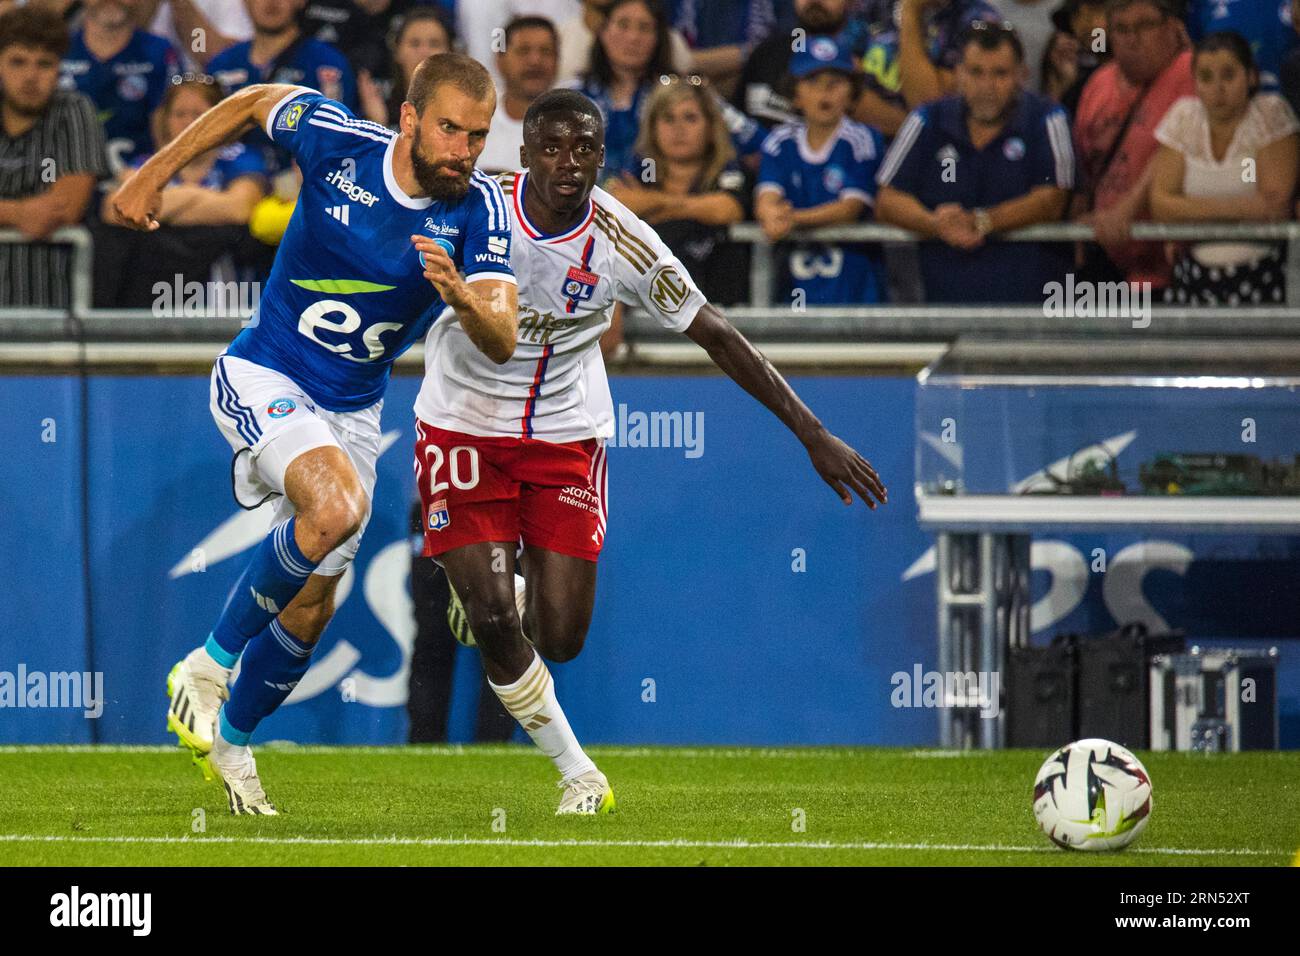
point(531, 701)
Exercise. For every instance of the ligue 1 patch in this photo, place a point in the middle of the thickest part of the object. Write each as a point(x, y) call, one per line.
point(289, 116)
point(1014, 148)
point(580, 284)
point(439, 516)
point(281, 407)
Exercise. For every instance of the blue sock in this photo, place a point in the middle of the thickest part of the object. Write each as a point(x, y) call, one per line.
point(273, 664)
point(274, 577)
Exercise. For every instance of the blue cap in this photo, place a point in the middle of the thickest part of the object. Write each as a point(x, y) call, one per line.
point(821, 53)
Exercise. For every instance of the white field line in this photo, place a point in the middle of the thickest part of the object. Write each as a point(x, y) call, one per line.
point(738, 844)
point(490, 750)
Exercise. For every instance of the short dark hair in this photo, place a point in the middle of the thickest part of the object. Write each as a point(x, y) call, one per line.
point(34, 27)
point(560, 101)
point(531, 23)
point(989, 36)
point(1229, 41)
point(465, 73)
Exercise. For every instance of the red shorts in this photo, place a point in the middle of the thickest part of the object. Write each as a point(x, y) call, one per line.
point(476, 489)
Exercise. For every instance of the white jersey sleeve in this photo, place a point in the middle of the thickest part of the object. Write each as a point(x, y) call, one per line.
point(649, 276)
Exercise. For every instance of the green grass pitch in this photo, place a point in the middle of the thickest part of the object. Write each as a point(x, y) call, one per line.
point(494, 805)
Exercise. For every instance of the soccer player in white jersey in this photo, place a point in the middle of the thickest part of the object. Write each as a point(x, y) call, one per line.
point(298, 393)
point(515, 453)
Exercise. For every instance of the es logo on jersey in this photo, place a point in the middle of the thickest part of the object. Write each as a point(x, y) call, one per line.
point(580, 284)
point(289, 116)
point(281, 407)
point(439, 516)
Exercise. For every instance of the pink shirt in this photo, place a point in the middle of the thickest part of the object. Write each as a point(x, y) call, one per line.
point(1106, 100)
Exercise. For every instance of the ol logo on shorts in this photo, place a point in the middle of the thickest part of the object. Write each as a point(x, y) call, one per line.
point(439, 516)
point(281, 407)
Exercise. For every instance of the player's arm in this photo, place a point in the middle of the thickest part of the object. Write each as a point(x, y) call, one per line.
point(488, 309)
point(137, 202)
point(837, 463)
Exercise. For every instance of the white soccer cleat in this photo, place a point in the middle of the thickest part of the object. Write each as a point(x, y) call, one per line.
point(587, 794)
point(197, 686)
point(238, 772)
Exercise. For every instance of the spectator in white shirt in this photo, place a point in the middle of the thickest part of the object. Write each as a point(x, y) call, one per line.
point(1229, 153)
point(527, 66)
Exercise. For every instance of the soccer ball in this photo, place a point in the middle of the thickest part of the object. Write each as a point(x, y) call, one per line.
point(1092, 795)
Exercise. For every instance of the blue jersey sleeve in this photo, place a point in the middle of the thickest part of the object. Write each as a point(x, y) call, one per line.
point(485, 253)
point(902, 167)
point(1052, 154)
point(860, 176)
point(303, 123)
point(773, 168)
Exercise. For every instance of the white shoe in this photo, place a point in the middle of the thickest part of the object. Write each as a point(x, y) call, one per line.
point(588, 794)
point(197, 686)
point(238, 772)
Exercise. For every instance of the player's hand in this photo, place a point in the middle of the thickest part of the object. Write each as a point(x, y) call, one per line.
point(843, 468)
point(136, 204)
point(440, 270)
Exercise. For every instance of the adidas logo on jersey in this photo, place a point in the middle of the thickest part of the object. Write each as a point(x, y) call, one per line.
point(339, 212)
point(265, 603)
point(340, 181)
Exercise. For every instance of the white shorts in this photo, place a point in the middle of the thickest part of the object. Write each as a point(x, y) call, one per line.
point(269, 421)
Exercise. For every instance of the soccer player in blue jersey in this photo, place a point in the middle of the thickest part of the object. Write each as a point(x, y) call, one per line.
point(820, 172)
point(384, 225)
point(125, 73)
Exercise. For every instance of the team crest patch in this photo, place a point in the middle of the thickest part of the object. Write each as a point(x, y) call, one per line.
point(443, 244)
point(289, 116)
point(281, 407)
point(439, 516)
point(580, 284)
point(1014, 148)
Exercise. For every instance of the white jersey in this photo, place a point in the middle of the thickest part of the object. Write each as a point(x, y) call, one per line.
point(554, 388)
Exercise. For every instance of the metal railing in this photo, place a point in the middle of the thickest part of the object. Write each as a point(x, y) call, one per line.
point(762, 269)
point(848, 324)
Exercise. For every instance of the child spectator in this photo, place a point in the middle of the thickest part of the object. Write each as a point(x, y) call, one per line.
point(821, 172)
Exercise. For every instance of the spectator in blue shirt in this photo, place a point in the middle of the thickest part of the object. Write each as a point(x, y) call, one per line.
point(124, 71)
point(820, 171)
point(723, 33)
point(994, 157)
point(628, 56)
point(280, 53)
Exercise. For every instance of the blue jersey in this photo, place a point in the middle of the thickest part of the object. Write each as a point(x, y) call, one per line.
point(933, 160)
point(347, 294)
point(844, 168)
point(306, 62)
point(1266, 24)
point(125, 89)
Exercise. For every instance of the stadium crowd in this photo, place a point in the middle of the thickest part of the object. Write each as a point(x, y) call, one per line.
point(956, 119)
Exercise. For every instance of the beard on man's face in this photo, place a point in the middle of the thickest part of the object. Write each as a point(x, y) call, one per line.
point(819, 18)
point(434, 182)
